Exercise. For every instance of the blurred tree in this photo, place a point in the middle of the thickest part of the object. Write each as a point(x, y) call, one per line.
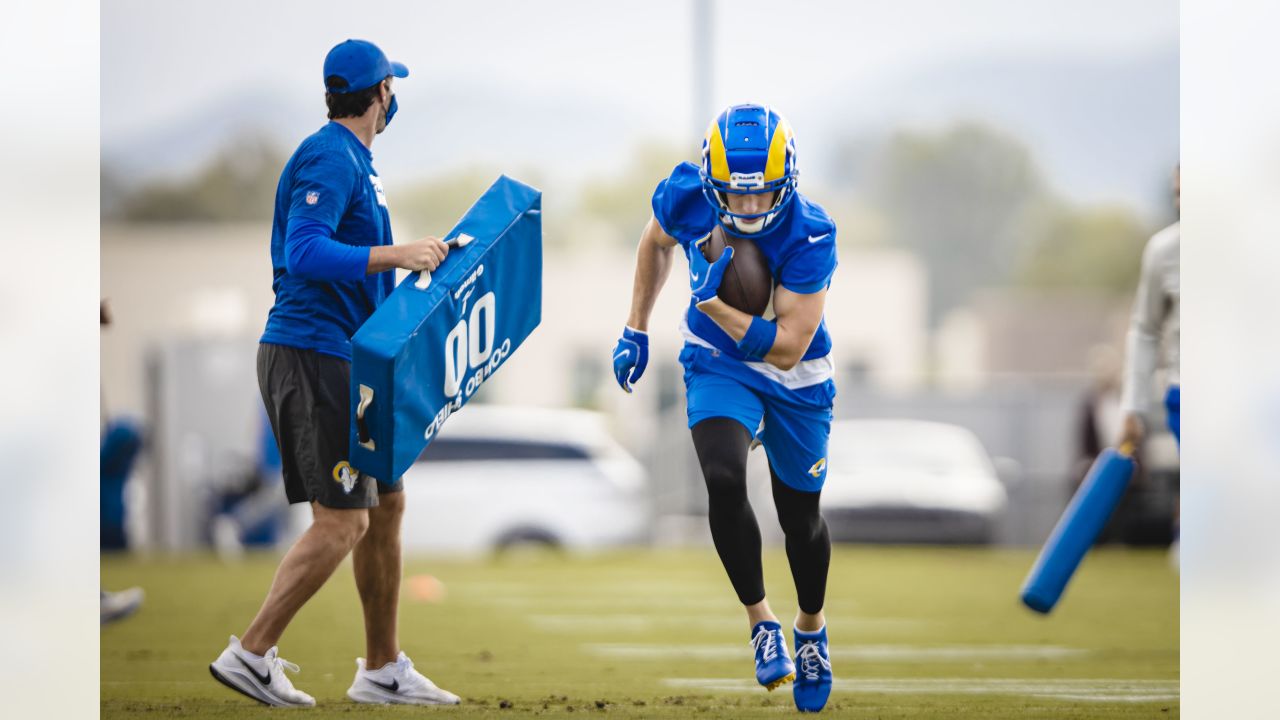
point(961, 199)
point(1091, 248)
point(623, 199)
point(434, 206)
point(850, 164)
point(239, 184)
point(111, 194)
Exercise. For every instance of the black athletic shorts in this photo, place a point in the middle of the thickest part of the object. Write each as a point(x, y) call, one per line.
point(308, 401)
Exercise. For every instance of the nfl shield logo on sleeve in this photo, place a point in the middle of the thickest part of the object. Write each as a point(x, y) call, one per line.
point(313, 197)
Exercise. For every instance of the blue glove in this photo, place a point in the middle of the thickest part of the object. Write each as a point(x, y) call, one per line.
point(704, 277)
point(630, 357)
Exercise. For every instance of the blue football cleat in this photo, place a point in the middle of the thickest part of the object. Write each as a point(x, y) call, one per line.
point(813, 679)
point(773, 663)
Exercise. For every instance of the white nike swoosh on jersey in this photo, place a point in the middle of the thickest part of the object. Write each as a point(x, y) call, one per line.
point(813, 239)
point(694, 276)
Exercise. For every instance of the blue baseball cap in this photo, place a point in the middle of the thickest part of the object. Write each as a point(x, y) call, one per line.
point(361, 64)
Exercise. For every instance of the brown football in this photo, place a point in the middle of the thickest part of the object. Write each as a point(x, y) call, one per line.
point(747, 284)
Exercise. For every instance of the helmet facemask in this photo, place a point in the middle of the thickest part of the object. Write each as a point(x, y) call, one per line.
point(749, 223)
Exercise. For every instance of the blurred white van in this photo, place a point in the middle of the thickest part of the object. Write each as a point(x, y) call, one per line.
point(498, 477)
point(910, 481)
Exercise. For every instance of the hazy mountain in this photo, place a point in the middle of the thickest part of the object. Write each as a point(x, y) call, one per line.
point(451, 126)
point(1102, 130)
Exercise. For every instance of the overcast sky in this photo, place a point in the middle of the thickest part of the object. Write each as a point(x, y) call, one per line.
point(572, 87)
point(161, 59)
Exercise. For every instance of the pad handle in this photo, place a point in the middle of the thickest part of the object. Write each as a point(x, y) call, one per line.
point(362, 425)
point(455, 243)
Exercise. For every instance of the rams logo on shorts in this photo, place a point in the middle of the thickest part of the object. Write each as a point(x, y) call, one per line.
point(347, 475)
point(818, 468)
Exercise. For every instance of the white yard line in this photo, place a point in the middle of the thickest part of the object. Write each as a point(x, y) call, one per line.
point(600, 590)
point(623, 597)
point(1087, 690)
point(556, 602)
point(643, 622)
point(204, 683)
point(858, 653)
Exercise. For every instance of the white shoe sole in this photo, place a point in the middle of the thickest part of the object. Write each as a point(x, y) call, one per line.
point(375, 695)
point(250, 687)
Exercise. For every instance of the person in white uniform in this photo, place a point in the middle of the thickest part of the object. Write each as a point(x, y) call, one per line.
point(1151, 358)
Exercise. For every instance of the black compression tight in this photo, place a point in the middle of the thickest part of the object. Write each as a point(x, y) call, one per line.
point(808, 542)
point(722, 446)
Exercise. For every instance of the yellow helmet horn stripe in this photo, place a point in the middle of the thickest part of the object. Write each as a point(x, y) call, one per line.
point(719, 158)
point(776, 165)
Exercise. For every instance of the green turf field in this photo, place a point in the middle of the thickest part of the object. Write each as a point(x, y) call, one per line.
point(916, 633)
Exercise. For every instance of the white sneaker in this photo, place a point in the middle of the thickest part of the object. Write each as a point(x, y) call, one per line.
point(398, 683)
point(261, 679)
point(226, 538)
point(120, 605)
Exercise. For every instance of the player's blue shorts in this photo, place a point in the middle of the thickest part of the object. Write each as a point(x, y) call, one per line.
point(1173, 411)
point(797, 421)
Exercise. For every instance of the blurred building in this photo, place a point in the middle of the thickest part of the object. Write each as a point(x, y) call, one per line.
point(1026, 331)
point(190, 301)
point(173, 282)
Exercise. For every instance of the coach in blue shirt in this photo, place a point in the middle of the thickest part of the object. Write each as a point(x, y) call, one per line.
point(332, 259)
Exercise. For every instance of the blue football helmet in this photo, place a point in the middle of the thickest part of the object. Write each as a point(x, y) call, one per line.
point(749, 149)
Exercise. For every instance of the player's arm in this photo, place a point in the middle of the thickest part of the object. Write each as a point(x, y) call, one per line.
point(653, 266)
point(322, 184)
point(425, 254)
point(1142, 346)
point(783, 345)
point(311, 251)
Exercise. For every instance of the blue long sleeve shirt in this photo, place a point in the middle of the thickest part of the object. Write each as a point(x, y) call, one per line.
point(330, 210)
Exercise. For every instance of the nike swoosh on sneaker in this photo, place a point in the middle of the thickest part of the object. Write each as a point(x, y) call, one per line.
point(814, 239)
point(393, 686)
point(264, 679)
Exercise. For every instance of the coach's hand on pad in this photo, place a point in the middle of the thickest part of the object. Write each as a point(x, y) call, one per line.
point(630, 356)
point(425, 254)
point(704, 277)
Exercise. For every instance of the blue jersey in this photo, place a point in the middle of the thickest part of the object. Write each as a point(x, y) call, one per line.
point(330, 195)
point(800, 247)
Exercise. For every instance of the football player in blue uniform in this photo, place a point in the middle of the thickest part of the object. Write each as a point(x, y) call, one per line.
point(751, 379)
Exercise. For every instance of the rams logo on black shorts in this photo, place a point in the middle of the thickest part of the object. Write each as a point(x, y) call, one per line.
point(347, 475)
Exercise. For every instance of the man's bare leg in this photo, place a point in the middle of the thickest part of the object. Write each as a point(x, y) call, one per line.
point(377, 560)
point(810, 622)
point(303, 571)
point(759, 613)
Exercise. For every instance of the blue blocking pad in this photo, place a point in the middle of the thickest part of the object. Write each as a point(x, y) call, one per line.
point(439, 336)
point(1085, 517)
